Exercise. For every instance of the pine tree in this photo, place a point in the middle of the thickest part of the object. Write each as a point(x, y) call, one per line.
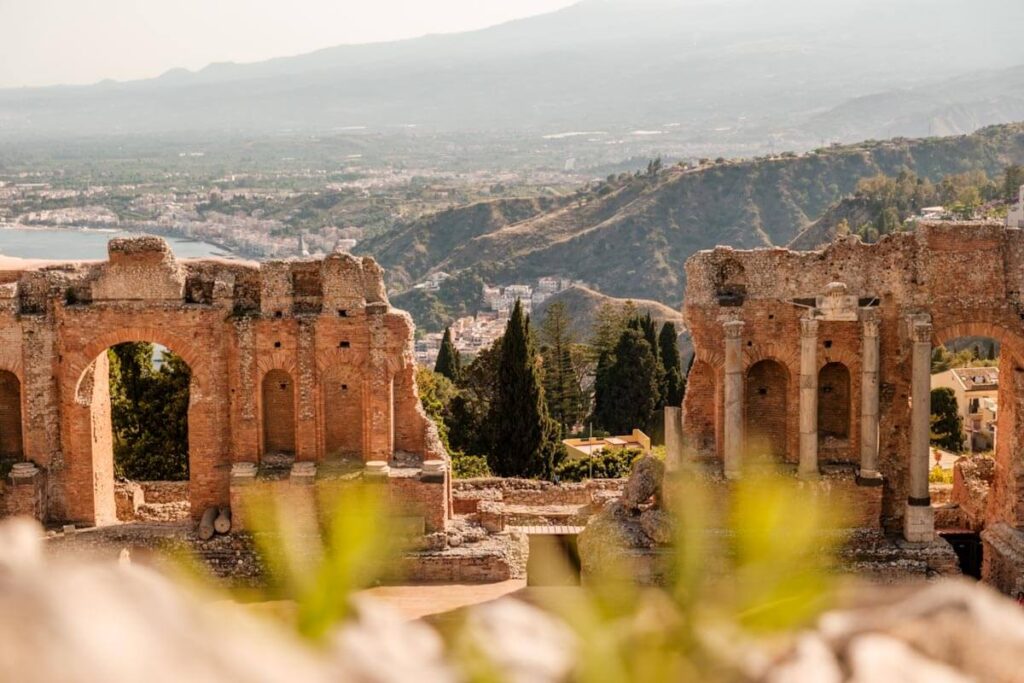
point(630, 391)
point(524, 439)
point(448, 362)
point(561, 387)
point(946, 424)
point(671, 365)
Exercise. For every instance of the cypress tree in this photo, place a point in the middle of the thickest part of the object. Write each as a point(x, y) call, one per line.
point(448, 362)
point(631, 391)
point(524, 439)
point(671, 364)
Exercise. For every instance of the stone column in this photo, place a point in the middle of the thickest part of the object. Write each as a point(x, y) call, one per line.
point(673, 437)
point(919, 519)
point(869, 474)
point(808, 399)
point(733, 428)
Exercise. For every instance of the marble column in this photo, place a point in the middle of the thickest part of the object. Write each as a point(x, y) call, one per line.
point(733, 427)
point(808, 399)
point(869, 474)
point(919, 519)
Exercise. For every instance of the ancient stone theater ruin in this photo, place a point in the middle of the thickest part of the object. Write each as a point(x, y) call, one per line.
point(822, 360)
point(304, 358)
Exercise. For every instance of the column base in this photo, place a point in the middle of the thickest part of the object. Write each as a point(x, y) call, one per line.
point(869, 478)
point(809, 475)
point(919, 523)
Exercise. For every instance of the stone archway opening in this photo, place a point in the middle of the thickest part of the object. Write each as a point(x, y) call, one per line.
point(12, 447)
point(137, 396)
point(766, 399)
point(278, 399)
point(965, 387)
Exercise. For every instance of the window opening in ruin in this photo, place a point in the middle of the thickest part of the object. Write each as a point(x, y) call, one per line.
point(344, 345)
point(278, 314)
point(277, 345)
point(342, 313)
point(278, 394)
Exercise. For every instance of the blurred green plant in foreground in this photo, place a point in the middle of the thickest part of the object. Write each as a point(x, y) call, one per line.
point(751, 560)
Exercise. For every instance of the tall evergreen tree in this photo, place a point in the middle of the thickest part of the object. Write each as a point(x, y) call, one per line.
point(524, 439)
point(630, 388)
point(561, 386)
point(448, 362)
point(671, 366)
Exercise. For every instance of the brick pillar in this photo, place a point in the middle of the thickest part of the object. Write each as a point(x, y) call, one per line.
point(305, 423)
point(808, 399)
point(732, 432)
point(869, 474)
point(919, 518)
point(378, 402)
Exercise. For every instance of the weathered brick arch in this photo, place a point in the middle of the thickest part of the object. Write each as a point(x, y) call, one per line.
point(778, 352)
point(1011, 343)
point(231, 322)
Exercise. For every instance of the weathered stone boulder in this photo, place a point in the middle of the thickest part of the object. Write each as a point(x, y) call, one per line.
point(657, 526)
point(644, 482)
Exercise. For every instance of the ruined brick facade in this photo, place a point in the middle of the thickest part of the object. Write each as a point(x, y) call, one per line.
point(818, 310)
point(304, 358)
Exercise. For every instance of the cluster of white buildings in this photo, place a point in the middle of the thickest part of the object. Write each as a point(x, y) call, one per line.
point(503, 299)
point(473, 334)
point(470, 335)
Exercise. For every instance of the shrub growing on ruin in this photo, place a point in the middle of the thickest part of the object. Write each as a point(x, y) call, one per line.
point(608, 464)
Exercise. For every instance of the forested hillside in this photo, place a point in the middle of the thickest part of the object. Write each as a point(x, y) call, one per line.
point(629, 236)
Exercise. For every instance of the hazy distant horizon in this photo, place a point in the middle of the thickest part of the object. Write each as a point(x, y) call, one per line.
point(69, 42)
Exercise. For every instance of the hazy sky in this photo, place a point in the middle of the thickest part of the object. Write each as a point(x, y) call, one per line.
point(45, 42)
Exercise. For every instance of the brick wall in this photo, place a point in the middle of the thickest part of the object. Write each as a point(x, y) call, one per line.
point(765, 410)
point(278, 412)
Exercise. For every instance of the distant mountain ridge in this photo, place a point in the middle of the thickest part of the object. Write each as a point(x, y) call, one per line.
point(630, 239)
point(753, 68)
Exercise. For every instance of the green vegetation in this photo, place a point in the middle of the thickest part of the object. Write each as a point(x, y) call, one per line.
point(937, 475)
point(524, 439)
point(149, 413)
point(469, 466)
point(946, 424)
point(448, 362)
point(561, 368)
point(974, 355)
point(608, 464)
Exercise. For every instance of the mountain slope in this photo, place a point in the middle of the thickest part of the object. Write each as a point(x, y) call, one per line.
point(631, 239)
point(749, 65)
point(583, 303)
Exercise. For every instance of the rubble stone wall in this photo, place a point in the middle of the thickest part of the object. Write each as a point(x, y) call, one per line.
point(235, 324)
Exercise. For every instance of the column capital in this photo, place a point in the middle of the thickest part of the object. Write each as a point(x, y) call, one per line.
point(809, 327)
point(921, 331)
point(870, 319)
point(733, 329)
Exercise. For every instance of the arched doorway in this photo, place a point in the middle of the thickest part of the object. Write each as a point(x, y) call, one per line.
point(765, 410)
point(834, 403)
point(131, 421)
point(278, 396)
point(11, 445)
